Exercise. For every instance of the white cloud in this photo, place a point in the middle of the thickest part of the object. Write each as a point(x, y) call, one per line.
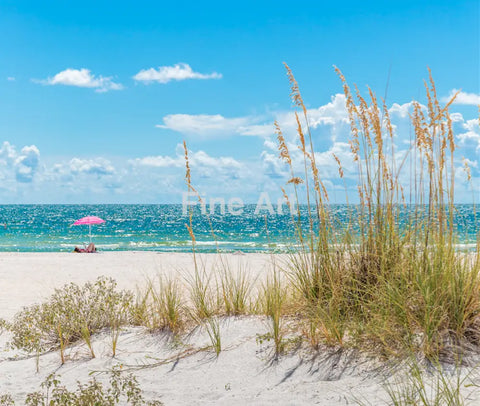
point(328, 122)
point(333, 115)
point(456, 117)
point(7, 153)
point(165, 74)
point(21, 166)
point(81, 172)
point(400, 110)
point(11, 79)
point(215, 125)
point(159, 177)
point(272, 166)
point(82, 78)
point(199, 159)
point(97, 166)
point(464, 98)
point(26, 164)
point(470, 138)
point(158, 161)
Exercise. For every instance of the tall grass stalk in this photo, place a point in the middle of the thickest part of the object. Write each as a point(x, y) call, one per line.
point(87, 337)
point(235, 287)
point(428, 387)
point(62, 348)
point(201, 295)
point(160, 305)
point(274, 297)
point(212, 327)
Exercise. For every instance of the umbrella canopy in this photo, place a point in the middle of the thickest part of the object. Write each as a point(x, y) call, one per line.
point(89, 220)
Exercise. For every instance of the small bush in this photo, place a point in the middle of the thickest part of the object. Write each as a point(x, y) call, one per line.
point(72, 313)
point(122, 389)
point(6, 400)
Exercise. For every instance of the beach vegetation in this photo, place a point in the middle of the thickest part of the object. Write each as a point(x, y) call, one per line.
point(427, 387)
point(160, 305)
point(212, 326)
point(71, 314)
point(6, 400)
point(201, 290)
point(389, 278)
point(426, 383)
point(204, 306)
point(274, 294)
point(121, 388)
point(235, 289)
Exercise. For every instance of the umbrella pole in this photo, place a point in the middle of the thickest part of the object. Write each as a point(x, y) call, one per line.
point(90, 232)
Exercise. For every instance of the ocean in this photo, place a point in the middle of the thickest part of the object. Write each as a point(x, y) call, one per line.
point(38, 228)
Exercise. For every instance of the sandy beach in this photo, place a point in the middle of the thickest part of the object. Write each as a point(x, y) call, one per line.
point(244, 372)
point(28, 278)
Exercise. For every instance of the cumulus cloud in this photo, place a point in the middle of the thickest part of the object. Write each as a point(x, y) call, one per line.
point(215, 125)
point(469, 99)
point(272, 166)
point(165, 74)
point(7, 153)
point(400, 110)
point(26, 164)
point(82, 78)
point(20, 166)
point(332, 115)
point(160, 177)
point(197, 159)
point(201, 158)
point(471, 136)
point(97, 166)
point(158, 161)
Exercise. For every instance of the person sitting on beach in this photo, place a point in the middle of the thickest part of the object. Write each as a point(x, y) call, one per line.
point(91, 248)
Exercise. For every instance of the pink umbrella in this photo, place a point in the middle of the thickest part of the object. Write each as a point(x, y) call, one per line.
point(89, 220)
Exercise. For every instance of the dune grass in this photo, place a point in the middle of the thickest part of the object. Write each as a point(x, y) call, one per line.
point(160, 305)
point(390, 279)
point(376, 282)
point(427, 387)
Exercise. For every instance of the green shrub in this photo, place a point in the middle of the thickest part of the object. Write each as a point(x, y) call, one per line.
point(72, 313)
point(121, 388)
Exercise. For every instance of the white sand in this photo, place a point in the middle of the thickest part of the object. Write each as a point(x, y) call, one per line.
point(27, 278)
point(244, 373)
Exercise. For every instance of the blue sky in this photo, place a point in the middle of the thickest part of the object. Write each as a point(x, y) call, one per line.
point(97, 96)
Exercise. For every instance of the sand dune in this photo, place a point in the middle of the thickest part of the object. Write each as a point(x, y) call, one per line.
point(185, 372)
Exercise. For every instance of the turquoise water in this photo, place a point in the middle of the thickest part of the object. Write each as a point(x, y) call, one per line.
point(163, 228)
